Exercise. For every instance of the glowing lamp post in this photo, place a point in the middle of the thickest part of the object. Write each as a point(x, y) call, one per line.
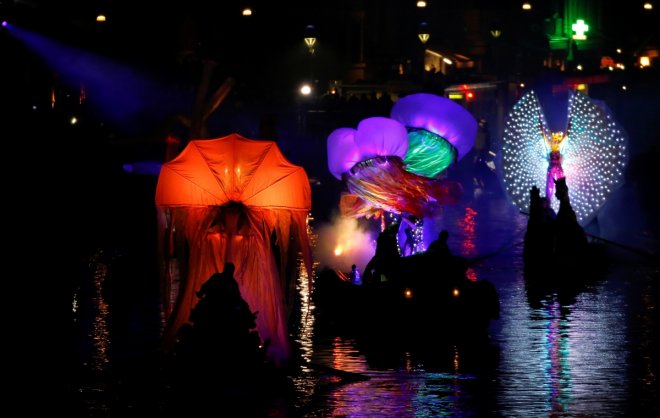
point(310, 42)
point(310, 38)
point(423, 35)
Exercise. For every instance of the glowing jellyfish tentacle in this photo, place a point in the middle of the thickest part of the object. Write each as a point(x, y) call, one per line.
point(524, 150)
point(385, 184)
point(594, 156)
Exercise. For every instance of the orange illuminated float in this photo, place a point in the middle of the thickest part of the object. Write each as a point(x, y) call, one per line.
point(239, 200)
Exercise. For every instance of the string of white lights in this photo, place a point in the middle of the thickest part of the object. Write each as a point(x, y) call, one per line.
point(593, 155)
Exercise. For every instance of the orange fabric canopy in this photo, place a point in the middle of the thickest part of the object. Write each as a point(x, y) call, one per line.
point(213, 172)
point(233, 199)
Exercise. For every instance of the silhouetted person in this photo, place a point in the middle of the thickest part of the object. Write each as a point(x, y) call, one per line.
point(354, 275)
point(539, 237)
point(215, 282)
point(439, 246)
point(571, 241)
point(222, 336)
point(481, 150)
point(384, 265)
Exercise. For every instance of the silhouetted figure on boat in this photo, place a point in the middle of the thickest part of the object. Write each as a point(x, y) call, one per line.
point(571, 240)
point(384, 265)
point(354, 275)
point(556, 247)
point(539, 237)
point(439, 246)
point(221, 337)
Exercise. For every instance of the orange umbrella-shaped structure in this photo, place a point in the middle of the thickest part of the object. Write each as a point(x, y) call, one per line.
point(240, 200)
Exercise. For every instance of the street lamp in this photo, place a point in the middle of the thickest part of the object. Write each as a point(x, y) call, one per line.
point(310, 43)
point(310, 38)
point(423, 35)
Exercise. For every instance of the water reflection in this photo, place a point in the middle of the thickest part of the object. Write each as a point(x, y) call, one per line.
point(406, 388)
point(551, 354)
point(562, 359)
point(95, 315)
point(557, 371)
point(590, 354)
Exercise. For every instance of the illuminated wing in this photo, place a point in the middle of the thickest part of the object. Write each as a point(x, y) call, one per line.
point(594, 155)
point(524, 153)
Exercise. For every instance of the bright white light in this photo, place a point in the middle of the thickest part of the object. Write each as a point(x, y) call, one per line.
point(447, 61)
point(247, 12)
point(73, 120)
point(648, 6)
point(624, 87)
point(305, 90)
point(618, 50)
point(421, 4)
point(579, 67)
point(527, 6)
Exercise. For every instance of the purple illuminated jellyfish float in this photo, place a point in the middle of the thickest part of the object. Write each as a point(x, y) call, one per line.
point(394, 164)
point(590, 153)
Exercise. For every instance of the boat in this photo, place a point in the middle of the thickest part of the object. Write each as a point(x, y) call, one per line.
point(417, 295)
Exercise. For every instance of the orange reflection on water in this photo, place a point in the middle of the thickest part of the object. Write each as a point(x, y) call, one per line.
point(100, 333)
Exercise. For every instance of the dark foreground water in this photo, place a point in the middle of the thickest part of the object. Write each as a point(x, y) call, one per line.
point(588, 353)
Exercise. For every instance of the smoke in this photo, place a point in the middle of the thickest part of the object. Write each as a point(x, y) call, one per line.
point(343, 242)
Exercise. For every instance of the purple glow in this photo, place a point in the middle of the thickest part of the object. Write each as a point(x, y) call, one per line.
point(121, 93)
point(374, 137)
point(343, 152)
point(439, 115)
point(4, 23)
point(149, 168)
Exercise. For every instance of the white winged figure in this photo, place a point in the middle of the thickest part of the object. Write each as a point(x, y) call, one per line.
point(591, 153)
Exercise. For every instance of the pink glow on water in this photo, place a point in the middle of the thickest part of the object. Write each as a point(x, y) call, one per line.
point(468, 225)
